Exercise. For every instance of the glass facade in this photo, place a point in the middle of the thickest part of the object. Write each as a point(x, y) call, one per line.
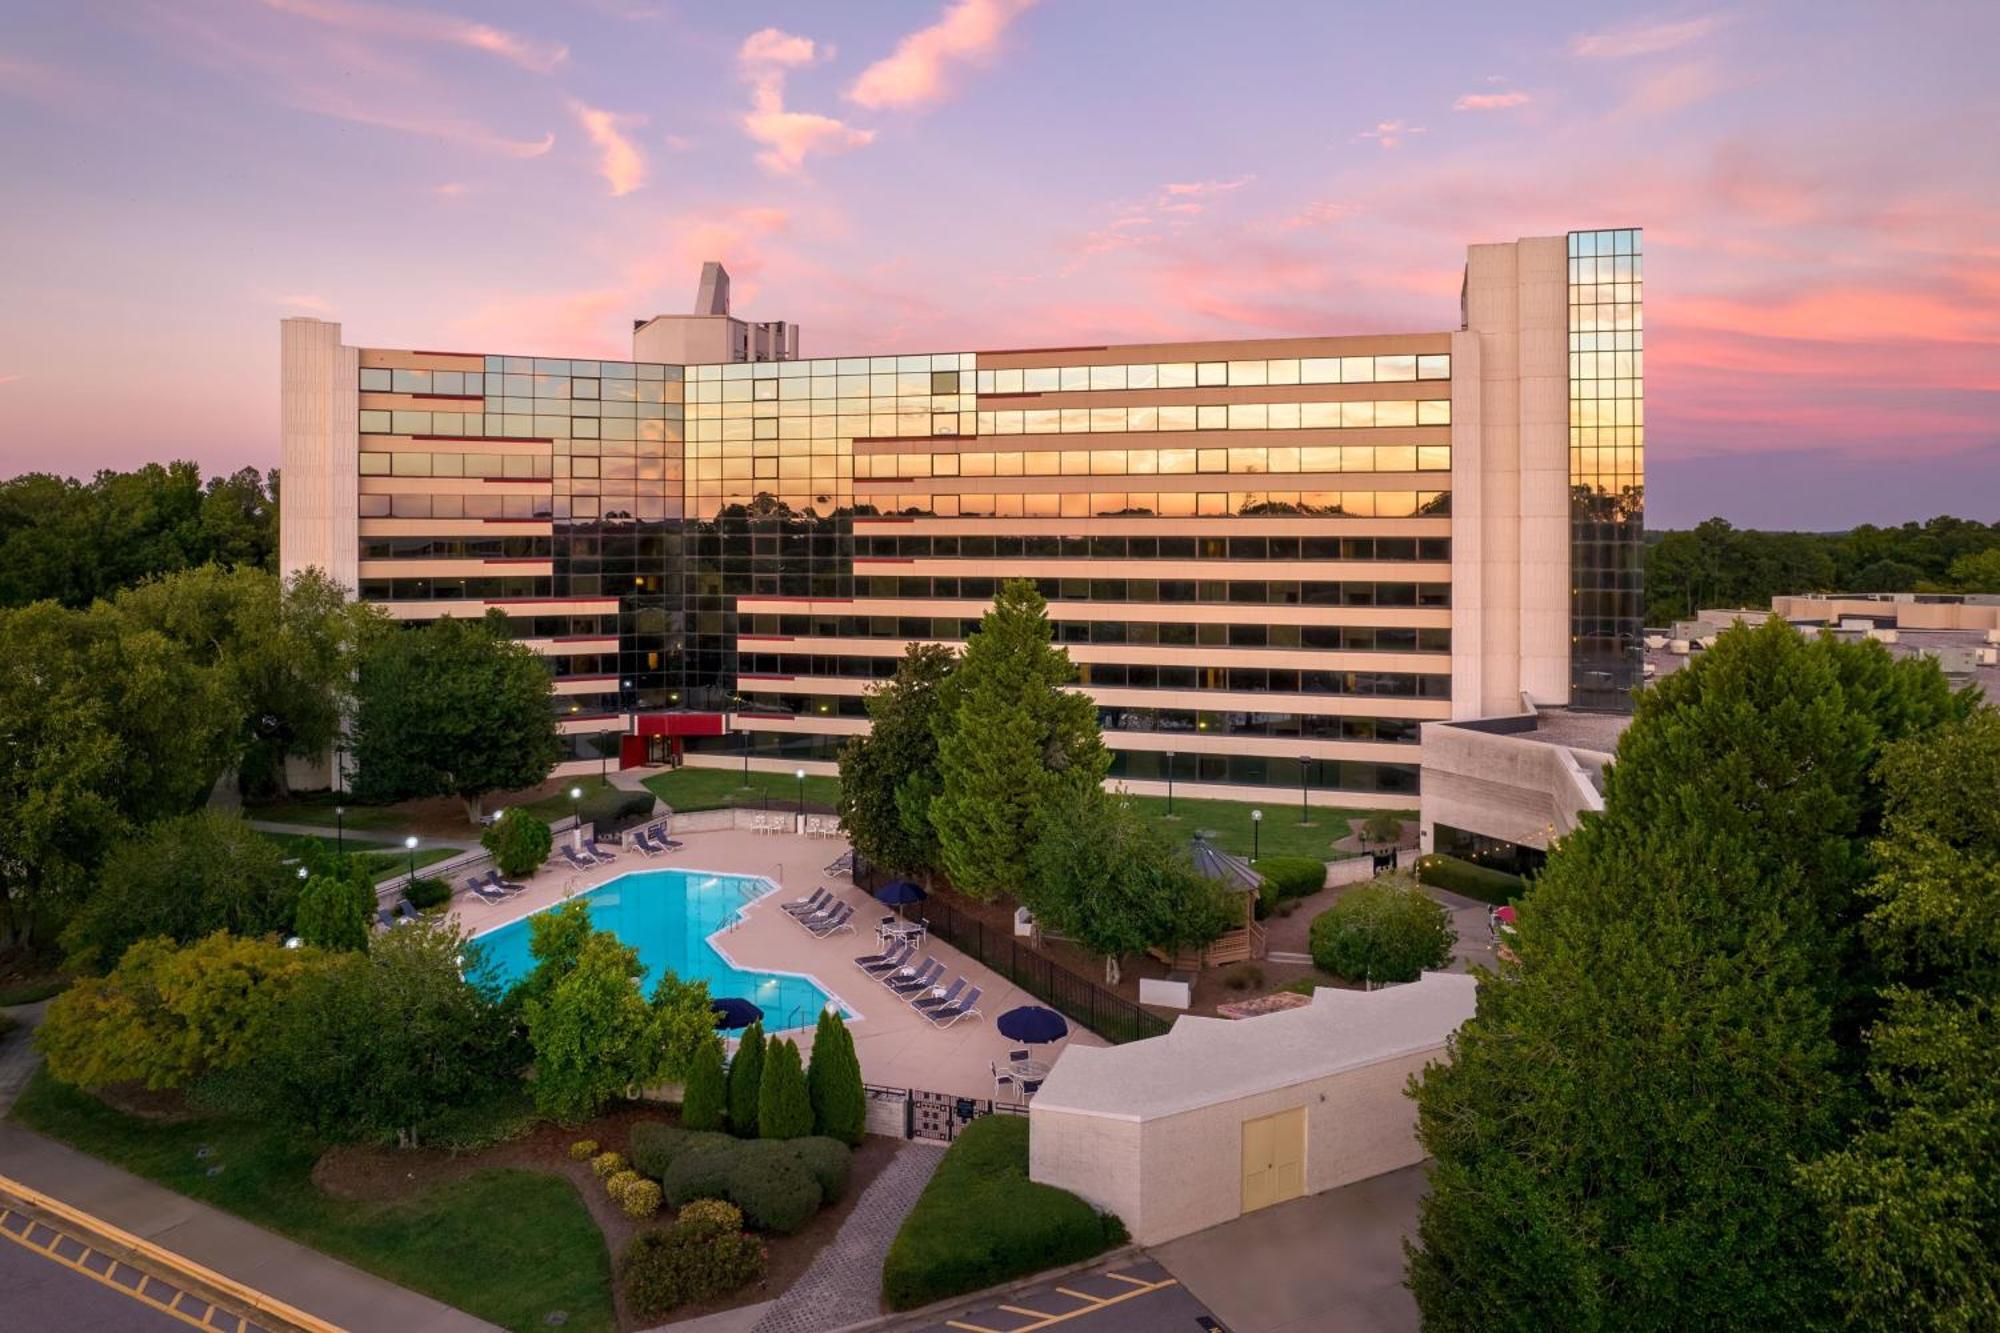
point(1607, 452)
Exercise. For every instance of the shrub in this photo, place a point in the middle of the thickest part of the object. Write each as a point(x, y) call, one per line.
point(583, 1150)
point(641, 1199)
point(700, 1173)
point(618, 1182)
point(783, 1109)
point(1292, 876)
point(1386, 930)
point(774, 1190)
point(426, 892)
point(705, 1103)
point(610, 809)
point(655, 1145)
point(709, 1217)
point(1482, 883)
point(833, 1082)
point(981, 1221)
point(607, 1164)
point(673, 1266)
point(826, 1160)
point(746, 1075)
point(519, 841)
point(1243, 976)
point(1382, 827)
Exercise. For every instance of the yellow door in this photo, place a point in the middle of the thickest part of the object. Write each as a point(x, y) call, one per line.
point(1274, 1159)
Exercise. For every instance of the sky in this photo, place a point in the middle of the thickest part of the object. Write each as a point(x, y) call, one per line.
point(1819, 184)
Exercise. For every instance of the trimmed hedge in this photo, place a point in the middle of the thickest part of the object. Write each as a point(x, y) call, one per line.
point(778, 1183)
point(1478, 882)
point(425, 892)
point(702, 1256)
point(775, 1192)
point(981, 1221)
point(1385, 930)
point(655, 1145)
point(1287, 877)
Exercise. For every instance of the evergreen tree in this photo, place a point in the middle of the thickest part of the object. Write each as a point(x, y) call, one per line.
point(746, 1078)
point(1616, 1133)
point(1012, 742)
point(705, 1102)
point(833, 1082)
point(335, 912)
point(889, 776)
point(783, 1109)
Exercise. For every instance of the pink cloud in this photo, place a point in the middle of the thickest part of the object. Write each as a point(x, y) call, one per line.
point(917, 73)
point(1491, 101)
point(777, 48)
point(1645, 40)
point(327, 102)
point(1321, 213)
point(623, 166)
point(789, 137)
point(1668, 90)
point(1391, 133)
point(423, 25)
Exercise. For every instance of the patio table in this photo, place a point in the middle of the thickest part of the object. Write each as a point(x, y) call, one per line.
point(1031, 1070)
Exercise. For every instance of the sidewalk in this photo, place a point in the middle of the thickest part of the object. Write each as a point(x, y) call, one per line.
point(312, 1281)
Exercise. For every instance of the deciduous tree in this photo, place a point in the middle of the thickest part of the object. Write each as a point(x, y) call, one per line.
point(889, 776)
point(590, 1031)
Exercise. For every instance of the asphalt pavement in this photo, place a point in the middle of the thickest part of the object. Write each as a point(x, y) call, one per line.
point(1133, 1298)
point(45, 1294)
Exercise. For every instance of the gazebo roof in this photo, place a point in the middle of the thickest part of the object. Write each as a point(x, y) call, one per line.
point(1233, 871)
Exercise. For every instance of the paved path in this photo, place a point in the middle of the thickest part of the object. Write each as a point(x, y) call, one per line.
point(368, 839)
point(844, 1283)
point(1132, 1298)
point(1327, 1261)
point(18, 1059)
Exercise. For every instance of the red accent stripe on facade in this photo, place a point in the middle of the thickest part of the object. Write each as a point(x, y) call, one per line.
point(911, 439)
point(560, 679)
point(769, 638)
point(582, 638)
point(489, 439)
point(454, 397)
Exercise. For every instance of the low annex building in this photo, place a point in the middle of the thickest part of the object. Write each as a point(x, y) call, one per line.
point(1221, 1117)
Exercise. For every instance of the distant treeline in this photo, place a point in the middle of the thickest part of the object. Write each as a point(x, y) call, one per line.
point(1716, 565)
point(74, 542)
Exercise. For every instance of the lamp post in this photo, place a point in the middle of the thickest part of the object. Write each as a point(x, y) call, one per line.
point(576, 817)
point(304, 873)
point(411, 843)
point(1305, 771)
point(746, 758)
point(800, 774)
point(1256, 835)
point(1170, 784)
point(340, 830)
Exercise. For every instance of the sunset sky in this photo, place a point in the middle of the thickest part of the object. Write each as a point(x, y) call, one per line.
point(1819, 184)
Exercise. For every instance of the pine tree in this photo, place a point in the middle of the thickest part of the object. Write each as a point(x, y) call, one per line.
point(746, 1077)
point(705, 1101)
point(1012, 741)
point(1615, 1136)
point(889, 776)
point(833, 1082)
point(783, 1109)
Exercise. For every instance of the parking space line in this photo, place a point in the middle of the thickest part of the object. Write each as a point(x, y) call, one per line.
point(1074, 1294)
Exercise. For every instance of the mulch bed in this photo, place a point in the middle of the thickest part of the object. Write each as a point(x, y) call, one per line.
point(371, 1173)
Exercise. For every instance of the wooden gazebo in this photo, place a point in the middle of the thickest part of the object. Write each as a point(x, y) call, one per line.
point(1241, 878)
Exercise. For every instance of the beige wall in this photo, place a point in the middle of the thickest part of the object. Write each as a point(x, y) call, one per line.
point(1525, 791)
point(318, 450)
point(1181, 1173)
point(1909, 613)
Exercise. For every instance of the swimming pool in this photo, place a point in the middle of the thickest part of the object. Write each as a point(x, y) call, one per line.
point(668, 916)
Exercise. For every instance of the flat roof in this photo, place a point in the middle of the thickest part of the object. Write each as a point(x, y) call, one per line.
point(1204, 1061)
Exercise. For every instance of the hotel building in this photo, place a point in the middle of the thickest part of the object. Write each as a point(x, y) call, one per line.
point(1272, 560)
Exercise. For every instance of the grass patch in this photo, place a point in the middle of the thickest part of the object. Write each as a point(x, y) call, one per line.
point(27, 992)
point(1482, 883)
point(981, 1221)
point(720, 788)
point(1229, 823)
point(381, 859)
point(316, 809)
point(508, 1246)
point(551, 808)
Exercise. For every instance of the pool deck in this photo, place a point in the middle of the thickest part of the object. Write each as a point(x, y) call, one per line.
point(897, 1047)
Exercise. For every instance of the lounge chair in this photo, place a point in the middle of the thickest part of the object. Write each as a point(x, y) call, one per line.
point(477, 886)
point(910, 973)
point(926, 977)
point(644, 843)
point(840, 920)
point(965, 1008)
point(502, 885)
point(406, 912)
point(819, 901)
point(576, 861)
point(881, 964)
point(382, 915)
point(926, 1002)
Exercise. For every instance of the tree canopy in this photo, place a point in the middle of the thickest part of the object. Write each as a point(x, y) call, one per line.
point(452, 708)
point(889, 777)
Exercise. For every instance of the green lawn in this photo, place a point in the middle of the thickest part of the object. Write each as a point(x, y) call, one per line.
point(715, 788)
point(316, 808)
point(555, 807)
point(382, 859)
point(508, 1246)
point(1283, 835)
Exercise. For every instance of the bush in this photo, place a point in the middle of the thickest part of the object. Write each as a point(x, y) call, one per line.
point(618, 1182)
point(655, 1145)
point(519, 841)
point(981, 1221)
point(689, 1261)
point(705, 1103)
point(826, 1160)
point(701, 1172)
point(1382, 827)
point(611, 808)
point(1286, 878)
point(1482, 883)
point(607, 1164)
point(1386, 930)
point(746, 1075)
point(775, 1192)
point(426, 892)
point(641, 1199)
point(833, 1082)
point(583, 1150)
point(784, 1111)
point(1243, 976)
point(710, 1217)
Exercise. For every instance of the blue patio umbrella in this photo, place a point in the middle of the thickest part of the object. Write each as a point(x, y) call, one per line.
point(731, 1012)
point(899, 893)
point(1033, 1024)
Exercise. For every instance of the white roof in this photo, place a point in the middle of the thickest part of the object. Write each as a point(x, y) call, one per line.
point(1202, 1061)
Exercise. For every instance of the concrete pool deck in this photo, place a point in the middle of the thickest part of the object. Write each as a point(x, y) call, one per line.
point(897, 1047)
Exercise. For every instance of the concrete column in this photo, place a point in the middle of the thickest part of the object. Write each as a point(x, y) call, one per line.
point(319, 451)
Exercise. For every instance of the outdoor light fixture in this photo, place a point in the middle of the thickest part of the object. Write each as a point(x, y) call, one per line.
point(411, 843)
point(1305, 773)
point(1256, 835)
point(340, 830)
point(304, 873)
point(576, 816)
point(800, 774)
point(1170, 784)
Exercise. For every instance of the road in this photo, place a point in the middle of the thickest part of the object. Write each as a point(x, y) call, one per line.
point(1136, 1298)
point(44, 1293)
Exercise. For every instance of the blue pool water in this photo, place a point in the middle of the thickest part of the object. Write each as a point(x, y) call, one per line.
point(668, 915)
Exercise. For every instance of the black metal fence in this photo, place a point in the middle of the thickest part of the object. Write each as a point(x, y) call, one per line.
point(928, 1115)
point(1111, 1016)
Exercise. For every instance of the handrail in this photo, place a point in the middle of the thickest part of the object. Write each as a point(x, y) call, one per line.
point(178, 1263)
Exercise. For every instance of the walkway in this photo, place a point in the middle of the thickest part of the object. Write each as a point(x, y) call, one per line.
point(844, 1283)
point(314, 1282)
